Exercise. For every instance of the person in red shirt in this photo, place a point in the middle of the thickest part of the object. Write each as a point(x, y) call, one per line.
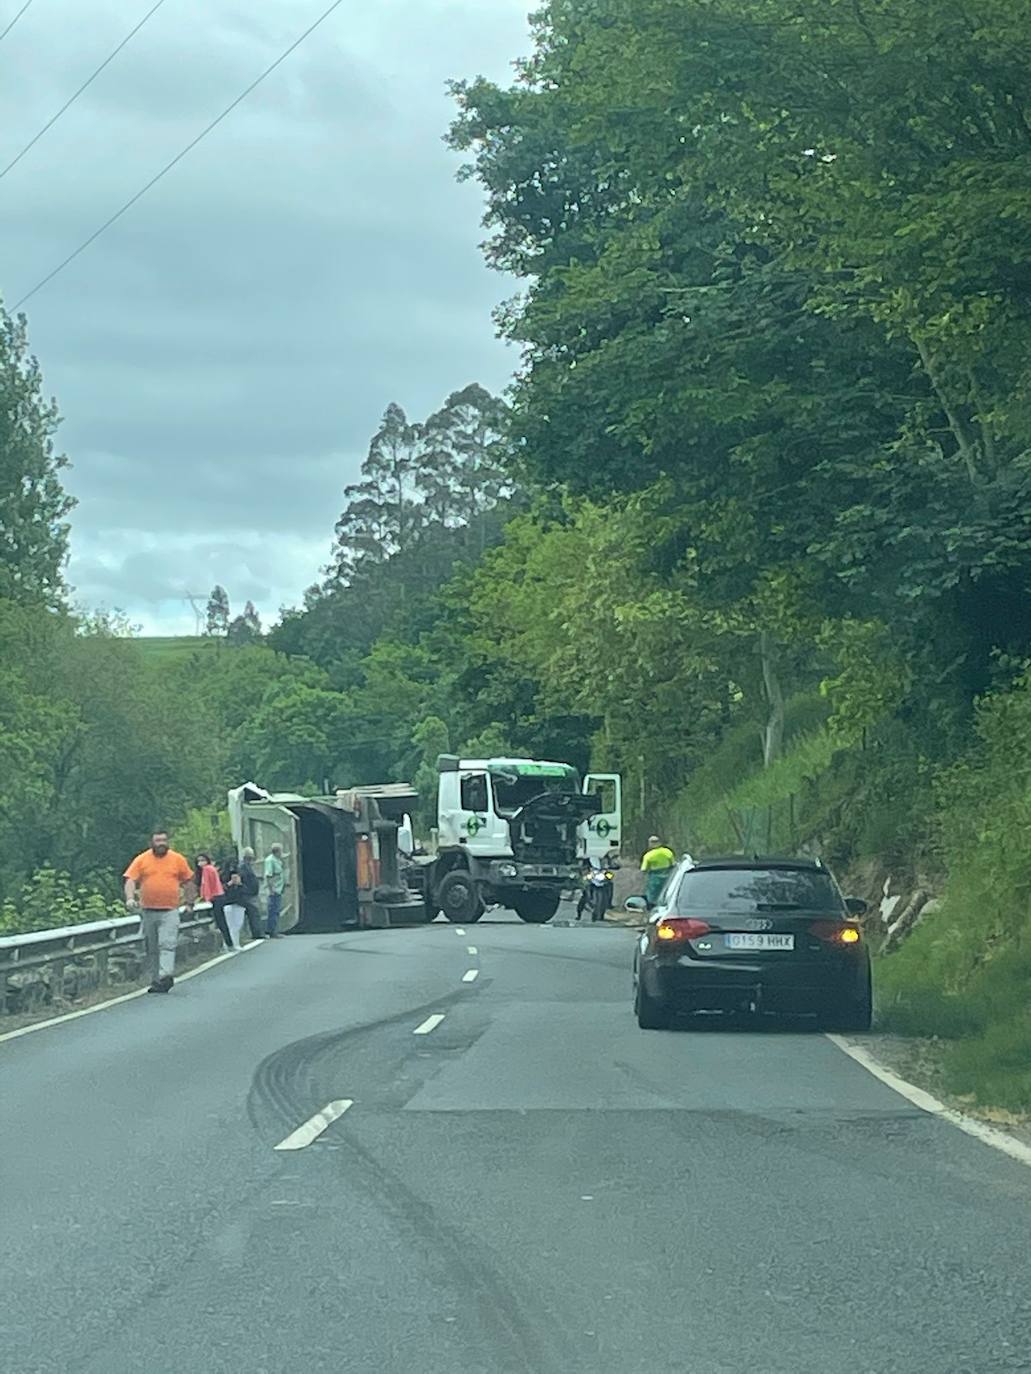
point(208, 882)
point(156, 886)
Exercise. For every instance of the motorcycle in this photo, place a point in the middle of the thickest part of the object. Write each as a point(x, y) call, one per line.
point(597, 892)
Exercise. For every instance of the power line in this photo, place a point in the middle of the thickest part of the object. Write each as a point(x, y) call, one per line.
point(14, 21)
point(88, 82)
point(180, 155)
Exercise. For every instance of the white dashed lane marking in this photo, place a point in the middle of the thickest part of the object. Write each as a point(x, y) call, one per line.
point(314, 1126)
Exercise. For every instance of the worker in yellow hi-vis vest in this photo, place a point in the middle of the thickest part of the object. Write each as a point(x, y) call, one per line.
point(657, 863)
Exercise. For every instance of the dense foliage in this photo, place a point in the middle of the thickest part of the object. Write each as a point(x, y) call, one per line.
point(777, 266)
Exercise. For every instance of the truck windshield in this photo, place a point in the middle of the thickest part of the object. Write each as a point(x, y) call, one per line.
point(515, 786)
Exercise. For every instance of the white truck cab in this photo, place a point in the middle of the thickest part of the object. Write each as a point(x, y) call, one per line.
point(511, 832)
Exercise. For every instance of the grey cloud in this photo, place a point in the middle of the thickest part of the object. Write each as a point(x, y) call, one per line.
point(164, 570)
point(243, 327)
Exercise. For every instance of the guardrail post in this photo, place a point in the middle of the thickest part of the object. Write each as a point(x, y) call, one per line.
point(102, 967)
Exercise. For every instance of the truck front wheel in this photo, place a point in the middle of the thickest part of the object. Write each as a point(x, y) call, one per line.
point(536, 907)
point(458, 899)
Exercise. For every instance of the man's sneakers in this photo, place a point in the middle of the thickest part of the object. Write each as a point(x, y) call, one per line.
point(161, 985)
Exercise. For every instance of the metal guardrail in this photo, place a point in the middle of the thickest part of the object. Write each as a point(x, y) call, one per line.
point(94, 940)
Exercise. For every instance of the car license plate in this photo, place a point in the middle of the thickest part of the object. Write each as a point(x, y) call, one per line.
point(747, 940)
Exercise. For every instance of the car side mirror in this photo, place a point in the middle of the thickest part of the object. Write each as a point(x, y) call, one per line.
point(635, 904)
point(855, 906)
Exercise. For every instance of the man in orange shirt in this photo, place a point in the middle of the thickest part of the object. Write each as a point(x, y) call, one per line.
point(155, 884)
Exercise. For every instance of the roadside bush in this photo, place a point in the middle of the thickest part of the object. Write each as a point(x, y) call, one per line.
point(995, 1068)
point(49, 900)
point(923, 988)
point(965, 974)
point(203, 831)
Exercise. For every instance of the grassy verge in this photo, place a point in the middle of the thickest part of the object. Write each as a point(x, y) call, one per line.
point(168, 649)
point(963, 981)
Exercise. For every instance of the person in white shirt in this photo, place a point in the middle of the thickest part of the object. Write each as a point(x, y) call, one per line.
point(275, 881)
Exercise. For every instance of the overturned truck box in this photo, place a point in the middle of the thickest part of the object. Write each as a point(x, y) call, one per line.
point(340, 853)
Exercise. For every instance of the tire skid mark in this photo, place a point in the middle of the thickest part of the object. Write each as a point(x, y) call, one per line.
point(467, 1266)
point(285, 1089)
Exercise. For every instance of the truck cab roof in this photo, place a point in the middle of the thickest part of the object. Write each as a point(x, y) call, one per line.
point(452, 763)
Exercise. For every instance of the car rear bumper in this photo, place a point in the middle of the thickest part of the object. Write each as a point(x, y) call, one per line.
point(720, 985)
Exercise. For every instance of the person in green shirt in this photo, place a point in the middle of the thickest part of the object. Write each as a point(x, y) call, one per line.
point(657, 863)
point(275, 881)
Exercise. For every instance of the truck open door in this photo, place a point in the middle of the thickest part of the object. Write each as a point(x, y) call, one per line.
point(265, 823)
point(600, 834)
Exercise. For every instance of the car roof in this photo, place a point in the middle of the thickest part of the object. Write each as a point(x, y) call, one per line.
point(759, 861)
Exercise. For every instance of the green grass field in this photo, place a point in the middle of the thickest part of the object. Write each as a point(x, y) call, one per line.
point(172, 648)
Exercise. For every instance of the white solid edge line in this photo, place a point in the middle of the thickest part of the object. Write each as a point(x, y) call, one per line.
point(470, 975)
point(470, 949)
point(125, 996)
point(431, 1023)
point(314, 1126)
point(988, 1135)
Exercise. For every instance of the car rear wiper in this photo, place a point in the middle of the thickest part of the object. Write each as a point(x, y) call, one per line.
point(778, 906)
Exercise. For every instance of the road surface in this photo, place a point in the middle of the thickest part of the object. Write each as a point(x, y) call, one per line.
point(532, 1184)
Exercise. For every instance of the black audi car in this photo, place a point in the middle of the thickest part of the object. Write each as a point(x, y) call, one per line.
point(753, 934)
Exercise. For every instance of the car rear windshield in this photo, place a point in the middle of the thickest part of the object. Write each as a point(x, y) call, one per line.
point(757, 889)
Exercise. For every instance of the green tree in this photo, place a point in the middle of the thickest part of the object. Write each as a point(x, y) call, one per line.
point(33, 504)
point(298, 737)
point(742, 295)
point(96, 748)
point(380, 517)
point(246, 627)
point(462, 462)
point(430, 738)
point(217, 621)
point(381, 601)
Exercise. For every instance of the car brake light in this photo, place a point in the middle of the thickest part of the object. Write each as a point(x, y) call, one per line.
point(836, 933)
point(681, 928)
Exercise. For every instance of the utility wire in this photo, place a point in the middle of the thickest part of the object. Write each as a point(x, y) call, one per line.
point(180, 155)
point(88, 82)
point(14, 21)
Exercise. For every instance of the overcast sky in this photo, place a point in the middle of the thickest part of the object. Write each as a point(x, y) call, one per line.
point(222, 354)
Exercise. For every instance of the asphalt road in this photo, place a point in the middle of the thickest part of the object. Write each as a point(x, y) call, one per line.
point(535, 1185)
